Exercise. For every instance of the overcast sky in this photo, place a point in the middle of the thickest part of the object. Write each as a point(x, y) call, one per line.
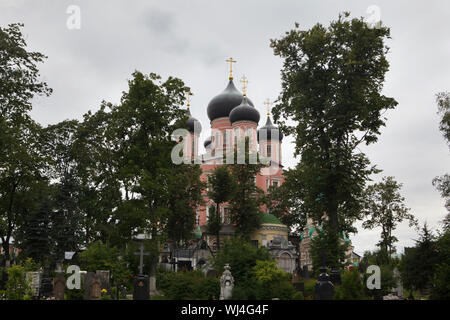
point(191, 39)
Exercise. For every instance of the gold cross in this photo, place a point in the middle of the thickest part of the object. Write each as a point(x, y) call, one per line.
point(244, 82)
point(231, 61)
point(188, 98)
point(268, 104)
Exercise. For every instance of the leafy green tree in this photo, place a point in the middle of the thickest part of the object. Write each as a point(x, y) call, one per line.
point(286, 202)
point(100, 256)
point(20, 162)
point(186, 190)
point(242, 257)
point(442, 183)
point(385, 208)
point(332, 79)
point(145, 120)
point(324, 250)
point(245, 205)
point(351, 288)
point(17, 286)
point(222, 186)
point(34, 235)
point(441, 280)
point(418, 264)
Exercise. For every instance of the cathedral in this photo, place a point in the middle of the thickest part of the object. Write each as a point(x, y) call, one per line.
point(233, 117)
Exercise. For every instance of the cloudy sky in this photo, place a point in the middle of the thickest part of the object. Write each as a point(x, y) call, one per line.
point(191, 40)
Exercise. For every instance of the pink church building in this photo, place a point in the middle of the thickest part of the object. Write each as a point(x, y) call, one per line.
point(233, 117)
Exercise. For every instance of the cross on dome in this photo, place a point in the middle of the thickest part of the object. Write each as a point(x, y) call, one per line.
point(231, 61)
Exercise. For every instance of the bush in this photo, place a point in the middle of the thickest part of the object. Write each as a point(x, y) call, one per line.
point(273, 281)
point(441, 283)
point(189, 285)
point(17, 287)
point(352, 287)
point(74, 294)
point(309, 289)
point(298, 296)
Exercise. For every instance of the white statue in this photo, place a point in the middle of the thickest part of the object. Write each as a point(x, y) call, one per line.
point(226, 284)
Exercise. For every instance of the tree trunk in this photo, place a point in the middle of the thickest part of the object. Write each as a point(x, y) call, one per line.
point(5, 246)
point(218, 232)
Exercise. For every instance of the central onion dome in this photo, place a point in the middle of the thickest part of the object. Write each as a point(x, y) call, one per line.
point(192, 122)
point(244, 112)
point(222, 104)
point(265, 133)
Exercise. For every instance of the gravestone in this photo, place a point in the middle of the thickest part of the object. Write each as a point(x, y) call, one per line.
point(92, 286)
point(324, 289)
point(104, 278)
point(59, 286)
point(141, 288)
point(34, 278)
point(226, 283)
point(335, 277)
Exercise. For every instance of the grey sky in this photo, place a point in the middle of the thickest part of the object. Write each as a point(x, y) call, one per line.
point(191, 40)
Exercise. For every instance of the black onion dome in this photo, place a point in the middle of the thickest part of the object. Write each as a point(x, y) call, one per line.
point(222, 104)
point(244, 112)
point(268, 127)
point(190, 123)
point(207, 142)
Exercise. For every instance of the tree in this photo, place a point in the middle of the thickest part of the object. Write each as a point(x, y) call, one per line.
point(222, 188)
point(351, 288)
point(144, 123)
point(245, 211)
point(331, 90)
point(384, 207)
point(441, 279)
point(100, 256)
point(324, 250)
point(34, 236)
point(186, 190)
point(20, 163)
point(418, 265)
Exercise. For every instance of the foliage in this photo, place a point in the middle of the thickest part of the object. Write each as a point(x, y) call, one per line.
point(30, 265)
point(327, 246)
point(241, 256)
point(21, 163)
point(74, 294)
point(384, 207)
point(309, 289)
point(187, 285)
point(351, 288)
point(222, 188)
point(332, 79)
point(17, 287)
point(298, 296)
point(274, 282)
point(99, 256)
point(387, 265)
point(246, 201)
point(419, 263)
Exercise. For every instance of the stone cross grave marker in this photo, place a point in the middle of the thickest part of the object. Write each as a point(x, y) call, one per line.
point(141, 255)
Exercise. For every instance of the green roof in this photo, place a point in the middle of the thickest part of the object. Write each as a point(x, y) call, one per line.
point(269, 218)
